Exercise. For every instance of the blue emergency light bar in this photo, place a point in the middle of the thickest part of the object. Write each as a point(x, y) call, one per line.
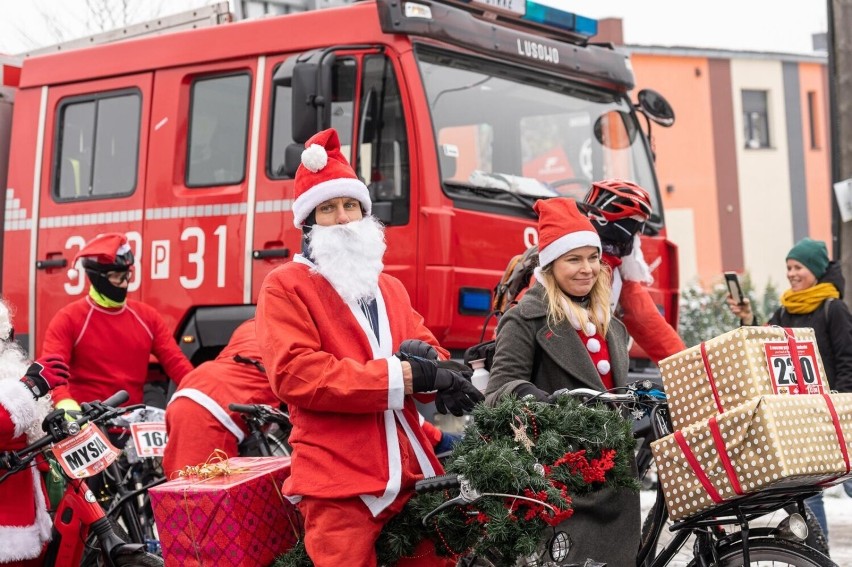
point(550, 16)
point(538, 13)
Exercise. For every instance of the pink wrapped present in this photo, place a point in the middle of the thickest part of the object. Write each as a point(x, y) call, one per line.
point(237, 519)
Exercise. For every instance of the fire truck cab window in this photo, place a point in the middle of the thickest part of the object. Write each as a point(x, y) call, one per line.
point(97, 147)
point(383, 161)
point(506, 136)
point(218, 131)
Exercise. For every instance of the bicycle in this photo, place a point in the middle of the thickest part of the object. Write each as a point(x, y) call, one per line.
point(269, 430)
point(722, 536)
point(124, 490)
point(78, 516)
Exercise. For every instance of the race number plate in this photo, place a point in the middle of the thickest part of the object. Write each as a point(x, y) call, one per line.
point(783, 370)
point(86, 454)
point(149, 437)
point(516, 6)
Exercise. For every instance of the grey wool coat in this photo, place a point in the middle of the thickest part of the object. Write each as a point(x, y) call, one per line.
point(605, 524)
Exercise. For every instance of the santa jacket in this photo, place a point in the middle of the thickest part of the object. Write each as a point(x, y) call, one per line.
point(198, 418)
point(24, 520)
point(343, 387)
point(109, 349)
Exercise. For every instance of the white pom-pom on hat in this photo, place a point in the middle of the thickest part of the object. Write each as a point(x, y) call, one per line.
point(314, 158)
point(73, 273)
point(603, 367)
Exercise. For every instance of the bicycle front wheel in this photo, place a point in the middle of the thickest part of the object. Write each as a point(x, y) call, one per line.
point(771, 552)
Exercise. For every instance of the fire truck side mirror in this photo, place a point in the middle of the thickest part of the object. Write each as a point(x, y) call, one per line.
point(309, 75)
point(292, 159)
point(656, 107)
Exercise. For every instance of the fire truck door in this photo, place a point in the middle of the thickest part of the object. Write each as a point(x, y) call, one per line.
point(91, 181)
point(200, 199)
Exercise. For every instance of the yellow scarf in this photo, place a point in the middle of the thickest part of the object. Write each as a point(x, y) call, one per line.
point(102, 300)
point(808, 300)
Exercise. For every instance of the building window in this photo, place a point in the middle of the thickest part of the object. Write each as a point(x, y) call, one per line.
point(756, 119)
point(813, 122)
point(98, 143)
point(218, 131)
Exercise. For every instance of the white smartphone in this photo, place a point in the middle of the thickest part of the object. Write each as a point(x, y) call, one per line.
point(732, 280)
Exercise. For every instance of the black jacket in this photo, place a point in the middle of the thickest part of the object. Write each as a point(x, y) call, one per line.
point(832, 325)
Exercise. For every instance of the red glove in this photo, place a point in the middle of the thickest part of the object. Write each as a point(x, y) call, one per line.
point(46, 374)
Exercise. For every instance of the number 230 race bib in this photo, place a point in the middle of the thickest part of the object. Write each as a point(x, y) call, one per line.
point(782, 368)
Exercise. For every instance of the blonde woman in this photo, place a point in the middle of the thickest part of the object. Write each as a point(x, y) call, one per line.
point(561, 335)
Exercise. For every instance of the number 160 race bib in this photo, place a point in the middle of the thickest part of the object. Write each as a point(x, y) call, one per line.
point(782, 368)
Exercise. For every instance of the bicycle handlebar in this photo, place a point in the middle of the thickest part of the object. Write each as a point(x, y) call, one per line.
point(57, 429)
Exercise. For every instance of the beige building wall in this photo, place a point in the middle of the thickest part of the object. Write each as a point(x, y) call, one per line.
point(680, 228)
point(763, 176)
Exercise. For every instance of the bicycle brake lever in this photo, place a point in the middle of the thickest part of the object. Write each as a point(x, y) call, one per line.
point(467, 495)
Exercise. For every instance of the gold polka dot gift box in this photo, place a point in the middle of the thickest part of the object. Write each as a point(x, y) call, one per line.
point(734, 367)
point(775, 440)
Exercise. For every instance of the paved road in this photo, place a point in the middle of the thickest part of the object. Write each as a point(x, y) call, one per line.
point(838, 508)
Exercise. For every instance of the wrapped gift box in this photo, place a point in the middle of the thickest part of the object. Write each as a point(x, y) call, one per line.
point(737, 366)
point(775, 440)
point(238, 519)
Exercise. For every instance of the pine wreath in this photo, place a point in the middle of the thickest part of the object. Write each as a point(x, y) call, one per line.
point(547, 452)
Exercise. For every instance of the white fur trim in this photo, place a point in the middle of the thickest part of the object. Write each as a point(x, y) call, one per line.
point(396, 386)
point(215, 410)
point(603, 367)
point(5, 321)
point(314, 158)
point(19, 402)
point(634, 268)
point(331, 189)
point(593, 345)
point(26, 542)
point(378, 503)
point(567, 243)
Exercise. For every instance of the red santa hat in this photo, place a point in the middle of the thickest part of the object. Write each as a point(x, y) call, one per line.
point(325, 174)
point(562, 228)
point(106, 252)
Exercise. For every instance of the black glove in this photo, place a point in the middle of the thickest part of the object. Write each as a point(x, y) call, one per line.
point(45, 375)
point(455, 392)
point(416, 347)
point(451, 379)
point(527, 389)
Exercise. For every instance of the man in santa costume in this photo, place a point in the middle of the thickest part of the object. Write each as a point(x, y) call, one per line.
point(328, 324)
point(107, 338)
point(25, 523)
point(198, 419)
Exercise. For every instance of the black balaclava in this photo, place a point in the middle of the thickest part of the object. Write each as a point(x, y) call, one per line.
point(307, 225)
point(102, 285)
point(617, 236)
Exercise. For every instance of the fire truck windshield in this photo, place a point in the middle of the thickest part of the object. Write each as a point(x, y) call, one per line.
point(509, 134)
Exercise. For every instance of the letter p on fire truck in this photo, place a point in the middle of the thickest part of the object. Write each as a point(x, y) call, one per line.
point(458, 115)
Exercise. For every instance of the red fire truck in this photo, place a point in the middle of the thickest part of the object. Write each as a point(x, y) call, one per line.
point(457, 114)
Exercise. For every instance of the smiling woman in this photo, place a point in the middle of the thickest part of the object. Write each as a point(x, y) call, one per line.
point(561, 335)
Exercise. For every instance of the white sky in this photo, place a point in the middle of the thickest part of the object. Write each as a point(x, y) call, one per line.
point(753, 25)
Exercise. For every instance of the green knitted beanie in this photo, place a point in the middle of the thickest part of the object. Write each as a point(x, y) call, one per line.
point(812, 254)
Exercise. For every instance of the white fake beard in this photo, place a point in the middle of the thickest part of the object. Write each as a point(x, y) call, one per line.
point(13, 365)
point(350, 256)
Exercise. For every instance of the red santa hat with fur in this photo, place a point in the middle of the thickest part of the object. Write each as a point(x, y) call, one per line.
point(104, 253)
point(562, 228)
point(325, 174)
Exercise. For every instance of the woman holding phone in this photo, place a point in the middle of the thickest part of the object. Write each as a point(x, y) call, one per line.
point(814, 300)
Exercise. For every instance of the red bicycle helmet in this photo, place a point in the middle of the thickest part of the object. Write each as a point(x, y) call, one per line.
point(615, 199)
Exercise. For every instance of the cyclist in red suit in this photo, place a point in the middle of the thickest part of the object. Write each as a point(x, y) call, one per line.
point(620, 211)
point(198, 419)
point(328, 324)
point(107, 338)
point(25, 523)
